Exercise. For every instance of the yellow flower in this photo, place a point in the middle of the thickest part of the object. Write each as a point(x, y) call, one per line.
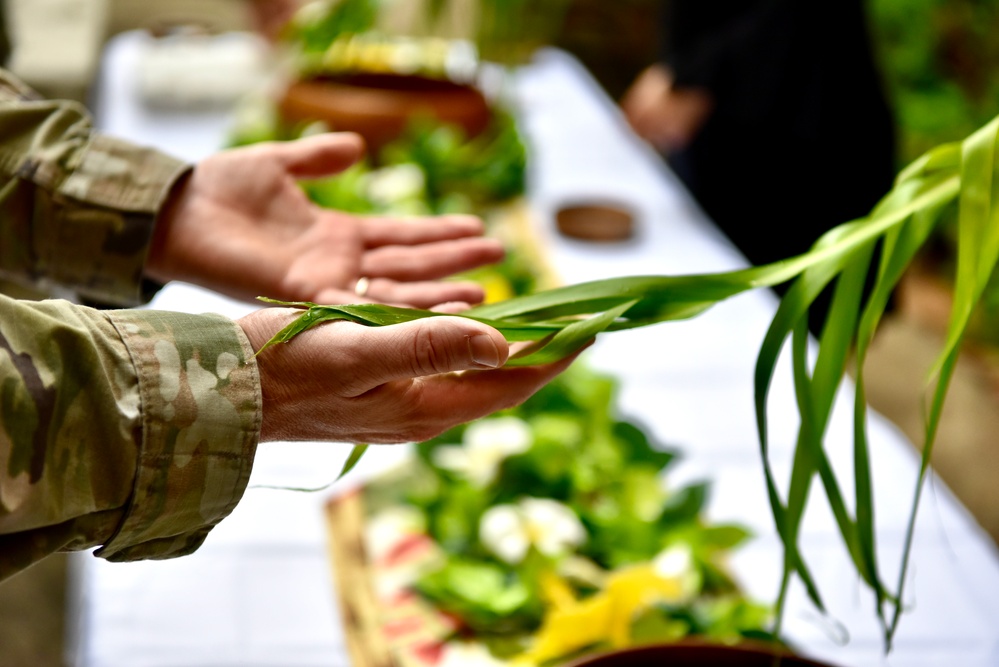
point(605, 617)
point(496, 286)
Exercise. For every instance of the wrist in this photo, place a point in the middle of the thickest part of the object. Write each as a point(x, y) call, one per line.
point(258, 327)
point(159, 262)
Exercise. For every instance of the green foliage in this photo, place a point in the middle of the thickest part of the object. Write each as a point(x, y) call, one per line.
point(510, 30)
point(345, 192)
point(724, 619)
point(939, 59)
point(604, 468)
point(487, 597)
point(488, 168)
point(965, 171)
point(445, 171)
point(322, 23)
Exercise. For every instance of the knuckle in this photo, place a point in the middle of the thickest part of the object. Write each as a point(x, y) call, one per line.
point(352, 385)
point(431, 353)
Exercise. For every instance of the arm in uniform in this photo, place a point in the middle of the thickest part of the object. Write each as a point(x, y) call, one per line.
point(131, 429)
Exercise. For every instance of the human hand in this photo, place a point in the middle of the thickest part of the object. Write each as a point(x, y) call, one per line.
point(345, 382)
point(241, 225)
point(665, 116)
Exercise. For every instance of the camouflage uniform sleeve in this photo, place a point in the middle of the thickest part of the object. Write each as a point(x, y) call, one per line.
point(77, 208)
point(132, 429)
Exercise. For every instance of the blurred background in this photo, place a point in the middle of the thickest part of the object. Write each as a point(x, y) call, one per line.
point(939, 61)
point(939, 58)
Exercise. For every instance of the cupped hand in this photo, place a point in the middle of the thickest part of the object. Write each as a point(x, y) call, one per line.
point(344, 382)
point(241, 225)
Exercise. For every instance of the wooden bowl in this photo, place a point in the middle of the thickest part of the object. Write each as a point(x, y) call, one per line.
point(696, 653)
point(595, 222)
point(379, 106)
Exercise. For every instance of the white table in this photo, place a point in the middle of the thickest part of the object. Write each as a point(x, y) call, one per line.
point(259, 592)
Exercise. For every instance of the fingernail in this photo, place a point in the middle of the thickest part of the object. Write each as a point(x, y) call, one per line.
point(484, 351)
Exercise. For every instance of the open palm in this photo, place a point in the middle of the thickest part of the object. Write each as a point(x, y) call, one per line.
point(241, 225)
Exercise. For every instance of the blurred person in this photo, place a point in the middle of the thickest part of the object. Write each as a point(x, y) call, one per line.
point(773, 115)
point(135, 430)
point(269, 17)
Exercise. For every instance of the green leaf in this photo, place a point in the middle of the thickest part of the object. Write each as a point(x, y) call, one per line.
point(572, 337)
point(355, 457)
point(722, 537)
point(684, 505)
point(978, 253)
point(486, 596)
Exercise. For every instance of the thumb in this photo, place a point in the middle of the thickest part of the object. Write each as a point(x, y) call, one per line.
point(319, 155)
point(425, 347)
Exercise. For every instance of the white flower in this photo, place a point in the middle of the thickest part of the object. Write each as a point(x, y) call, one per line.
point(484, 446)
point(677, 563)
point(462, 61)
point(397, 183)
point(547, 525)
point(467, 654)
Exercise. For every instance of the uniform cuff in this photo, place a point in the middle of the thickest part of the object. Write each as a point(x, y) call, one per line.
point(102, 220)
point(201, 410)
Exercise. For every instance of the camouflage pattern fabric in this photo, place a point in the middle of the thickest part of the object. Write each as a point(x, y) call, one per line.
point(132, 429)
point(77, 209)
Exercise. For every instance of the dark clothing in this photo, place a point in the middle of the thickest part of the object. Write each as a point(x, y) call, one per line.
point(801, 137)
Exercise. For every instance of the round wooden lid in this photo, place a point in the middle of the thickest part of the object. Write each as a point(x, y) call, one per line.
point(595, 222)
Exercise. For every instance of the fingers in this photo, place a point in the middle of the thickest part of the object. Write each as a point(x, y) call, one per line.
point(414, 231)
point(428, 406)
point(320, 155)
point(428, 294)
point(432, 260)
point(452, 307)
point(414, 295)
point(477, 394)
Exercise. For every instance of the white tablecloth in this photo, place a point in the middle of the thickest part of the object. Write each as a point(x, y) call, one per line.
point(259, 592)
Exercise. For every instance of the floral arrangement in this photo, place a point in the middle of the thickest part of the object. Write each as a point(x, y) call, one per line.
point(548, 532)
